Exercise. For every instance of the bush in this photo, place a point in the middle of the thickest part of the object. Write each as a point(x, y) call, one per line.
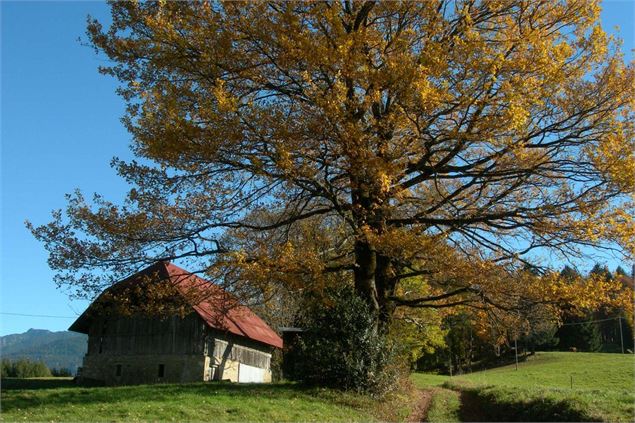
point(341, 346)
point(61, 372)
point(24, 368)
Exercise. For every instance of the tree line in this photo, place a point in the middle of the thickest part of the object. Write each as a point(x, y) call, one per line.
point(24, 367)
point(467, 347)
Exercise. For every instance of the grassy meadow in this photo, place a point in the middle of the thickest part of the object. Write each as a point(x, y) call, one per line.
point(60, 400)
point(540, 390)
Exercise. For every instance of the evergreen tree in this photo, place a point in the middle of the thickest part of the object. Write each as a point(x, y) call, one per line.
point(601, 270)
point(569, 273)
point(579, 333)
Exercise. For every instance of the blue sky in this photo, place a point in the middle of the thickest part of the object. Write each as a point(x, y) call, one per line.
point(60, 128)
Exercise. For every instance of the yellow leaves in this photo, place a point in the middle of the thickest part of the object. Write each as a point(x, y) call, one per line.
point(615, 223)
point(224, 100)
point(563, 50)
point(344, 48)
point(417, 331)
point(615, 157)
point(584, 295)
point(296, 263)
point(384, 182)
point(435, 116)
point(543, 300)
point(404, 244)
point(598, 41)
point(283, 159)
point(623, 225)
point(429, 95)
point(431, 58)
point(517, 115)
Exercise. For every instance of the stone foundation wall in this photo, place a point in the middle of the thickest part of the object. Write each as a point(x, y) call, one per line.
point(136, 369)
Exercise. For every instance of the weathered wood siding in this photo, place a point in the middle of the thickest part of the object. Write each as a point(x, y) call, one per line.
point(129, 350)
point(142, 335)
point(252, 357)
point(226, 352)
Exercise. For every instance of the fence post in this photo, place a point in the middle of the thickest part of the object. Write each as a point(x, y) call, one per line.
point(516, 351)
point(619, 320)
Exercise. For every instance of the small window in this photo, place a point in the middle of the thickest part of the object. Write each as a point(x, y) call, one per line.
point(101, 338)
point(118, 370)
point(161, 370)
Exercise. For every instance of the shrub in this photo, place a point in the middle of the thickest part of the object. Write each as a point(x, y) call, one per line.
point(61, 372)
point(341, 346)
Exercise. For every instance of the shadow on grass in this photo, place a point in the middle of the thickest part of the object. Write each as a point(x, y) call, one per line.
point(480, 406)
point(25, 394)
point(10, 383)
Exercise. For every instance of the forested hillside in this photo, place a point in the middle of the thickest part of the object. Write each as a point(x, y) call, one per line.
point(57, 349)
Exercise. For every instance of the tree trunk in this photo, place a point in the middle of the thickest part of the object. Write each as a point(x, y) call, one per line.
point(385, 282)
point(373, 272)
point(365, 267)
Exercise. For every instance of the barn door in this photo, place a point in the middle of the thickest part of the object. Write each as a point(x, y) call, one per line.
point(250, 374)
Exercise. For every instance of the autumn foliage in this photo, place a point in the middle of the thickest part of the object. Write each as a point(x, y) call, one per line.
point(424, 152)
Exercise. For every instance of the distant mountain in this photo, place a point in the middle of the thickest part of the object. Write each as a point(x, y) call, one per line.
point(57, 349)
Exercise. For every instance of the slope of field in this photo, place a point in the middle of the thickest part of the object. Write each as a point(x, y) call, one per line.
point(547, 387)
point(54, 400)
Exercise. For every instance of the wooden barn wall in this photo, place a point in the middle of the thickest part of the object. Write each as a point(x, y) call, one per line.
point(128, 350)
point(135, 335)
point(227, 350)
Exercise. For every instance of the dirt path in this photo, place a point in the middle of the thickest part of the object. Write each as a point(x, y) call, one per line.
point(472, 410)
point(469, 410)
point(420, 411)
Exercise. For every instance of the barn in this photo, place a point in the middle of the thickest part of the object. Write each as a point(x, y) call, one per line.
point(212, 337)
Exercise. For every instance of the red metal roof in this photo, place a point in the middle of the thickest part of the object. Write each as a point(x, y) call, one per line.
point(219, 309)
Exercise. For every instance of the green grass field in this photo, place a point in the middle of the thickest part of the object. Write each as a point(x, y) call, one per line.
point(60, 400)
point(540, 390)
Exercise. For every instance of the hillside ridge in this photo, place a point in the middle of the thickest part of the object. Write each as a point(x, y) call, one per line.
point(61, 349)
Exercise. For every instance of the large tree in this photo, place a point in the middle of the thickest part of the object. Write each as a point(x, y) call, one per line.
point(297, 142)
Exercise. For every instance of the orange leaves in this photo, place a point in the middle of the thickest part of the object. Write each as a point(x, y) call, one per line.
point(592, 293)
point(285, 138)
point(529, 302)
